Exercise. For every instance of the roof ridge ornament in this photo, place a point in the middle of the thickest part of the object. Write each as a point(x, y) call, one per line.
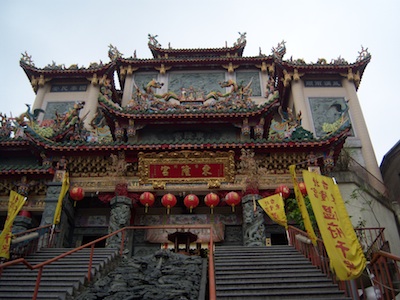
point(153, 41)
point(280, 50)
point(241, 40)
point(363, 54)
point(27, 59)
point(113, 52)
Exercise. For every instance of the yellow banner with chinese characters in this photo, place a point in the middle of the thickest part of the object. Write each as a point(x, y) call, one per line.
point(63, 192)
point(346, 257)
point(15, 204)
point(275, 208)
point(302, 206)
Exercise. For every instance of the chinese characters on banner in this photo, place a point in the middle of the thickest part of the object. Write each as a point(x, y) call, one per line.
point(15, 204)
point(63, 192)
point(347, 259)
point(302, 206)
point(188, 170)
point(275, 209)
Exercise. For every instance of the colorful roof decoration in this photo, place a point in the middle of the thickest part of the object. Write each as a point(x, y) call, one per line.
point(262, 121)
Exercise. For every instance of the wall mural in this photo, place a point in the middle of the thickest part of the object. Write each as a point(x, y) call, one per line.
point(197, 84)
point(328, 114)
point(57, 107)
point(243, 78)
point(141, 80)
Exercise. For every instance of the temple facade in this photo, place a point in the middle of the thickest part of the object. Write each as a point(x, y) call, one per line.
point(186, 130)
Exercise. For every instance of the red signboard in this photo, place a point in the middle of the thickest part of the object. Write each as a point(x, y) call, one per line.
point(186, 170)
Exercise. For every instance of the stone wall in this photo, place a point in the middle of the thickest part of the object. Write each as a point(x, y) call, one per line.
point(164, 275)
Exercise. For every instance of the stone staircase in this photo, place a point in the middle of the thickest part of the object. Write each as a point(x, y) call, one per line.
point(60, 280)
point(277, 272)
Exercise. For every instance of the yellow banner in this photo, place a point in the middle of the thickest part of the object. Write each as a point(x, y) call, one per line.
point(15, 204)
point(346, 257)
point(275, 208)
point(63, 192)
point(302, 206)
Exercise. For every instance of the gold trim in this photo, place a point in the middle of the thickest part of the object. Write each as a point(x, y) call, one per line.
point(186, 157)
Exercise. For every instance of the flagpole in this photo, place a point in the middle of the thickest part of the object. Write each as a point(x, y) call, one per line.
point(53, 227)
point(288, 237)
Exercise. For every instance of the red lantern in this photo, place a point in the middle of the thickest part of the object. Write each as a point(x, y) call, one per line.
point(284, 190)
point(303, 188)
point(233, 199)
point(191, 201)
point(25, 213)
point(147, 199)
point(77, 193)
point(211, 200)
point(168, 200)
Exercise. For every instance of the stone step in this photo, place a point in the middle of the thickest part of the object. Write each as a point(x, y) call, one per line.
point(281, 294)
point(270, 266)
point(266, 281)
point(60, 279)
point(46, 281)
point(27, 295)
point(231, 274)
point(277, 272)
point(52, 288)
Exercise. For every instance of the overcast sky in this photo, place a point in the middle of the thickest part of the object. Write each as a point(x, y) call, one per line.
point(79, 32)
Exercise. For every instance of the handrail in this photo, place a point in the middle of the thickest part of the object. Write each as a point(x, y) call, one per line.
point(386, 269)
point(32, 230)
point(40, 266)
point(381, 253)
point(26, 242)
point(374, 241)
point(381, 270)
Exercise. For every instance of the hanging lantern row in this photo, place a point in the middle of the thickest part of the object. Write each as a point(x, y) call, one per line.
point(303, 188)
point(168, 200)
point(284, 190)
point(76, 193)
point(211, 200)
point(232, 199)
point(190, 201)
point(147, 199)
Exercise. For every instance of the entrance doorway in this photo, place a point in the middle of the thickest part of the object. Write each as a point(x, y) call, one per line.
point(89, 238)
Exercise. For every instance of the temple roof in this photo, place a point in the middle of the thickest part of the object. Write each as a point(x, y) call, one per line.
point(293, 144)
point(159, 52)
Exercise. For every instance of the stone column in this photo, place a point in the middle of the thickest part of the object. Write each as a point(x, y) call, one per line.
point(21, 223)
point(128, 90)
point(300, 104)
point(361, 130)
point(67, 214)
point(50, 202)
point(119, 218)
point(41, 91)
point(253, 221)
point(90, 108)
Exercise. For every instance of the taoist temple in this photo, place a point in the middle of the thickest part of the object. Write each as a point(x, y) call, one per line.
point(187, 136)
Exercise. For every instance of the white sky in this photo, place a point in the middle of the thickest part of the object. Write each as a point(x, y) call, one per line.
point(79, 32)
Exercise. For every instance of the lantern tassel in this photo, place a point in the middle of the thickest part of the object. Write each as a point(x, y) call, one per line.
point(233, 208)
point(146, 209)
point(254, 204)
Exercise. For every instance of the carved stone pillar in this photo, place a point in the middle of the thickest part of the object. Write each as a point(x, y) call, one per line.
point(119, 218)
point(53, 191)
point(253, 221)
point(67, 214)
point(21, 223)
